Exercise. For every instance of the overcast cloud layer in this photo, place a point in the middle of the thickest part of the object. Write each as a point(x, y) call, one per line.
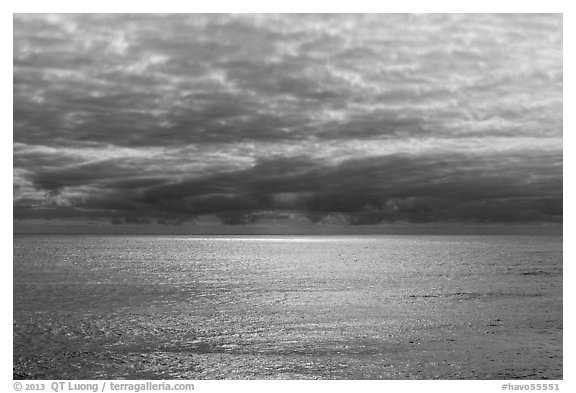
point(369, 119)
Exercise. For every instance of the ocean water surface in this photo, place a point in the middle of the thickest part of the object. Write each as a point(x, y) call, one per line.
point(287, 307)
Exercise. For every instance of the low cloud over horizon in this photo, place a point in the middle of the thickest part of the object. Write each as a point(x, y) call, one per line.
point(291, 120)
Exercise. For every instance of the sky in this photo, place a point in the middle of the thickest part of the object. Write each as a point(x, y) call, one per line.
point(353, 123)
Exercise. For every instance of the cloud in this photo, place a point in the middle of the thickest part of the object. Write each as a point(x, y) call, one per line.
point(433, 187)
point(145, 80)
point(149, 119)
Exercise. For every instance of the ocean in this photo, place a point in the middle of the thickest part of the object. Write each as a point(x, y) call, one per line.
point(287, 307)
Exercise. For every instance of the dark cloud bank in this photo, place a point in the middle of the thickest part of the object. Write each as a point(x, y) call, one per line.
point(294, 121)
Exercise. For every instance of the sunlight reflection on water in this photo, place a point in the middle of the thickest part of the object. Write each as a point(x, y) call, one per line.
point(287, 307)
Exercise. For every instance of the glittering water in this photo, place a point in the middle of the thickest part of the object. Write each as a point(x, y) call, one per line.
point(145, 307)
